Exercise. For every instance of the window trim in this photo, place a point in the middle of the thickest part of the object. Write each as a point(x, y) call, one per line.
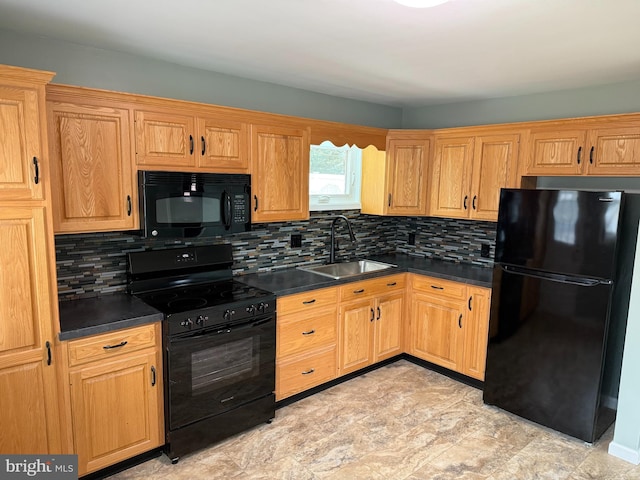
point(340, 201)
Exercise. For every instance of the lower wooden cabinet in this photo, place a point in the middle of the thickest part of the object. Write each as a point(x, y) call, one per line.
point(115, 382)
point(306, 341)
point(449, 324)
point(370, 326)
point(326, 333)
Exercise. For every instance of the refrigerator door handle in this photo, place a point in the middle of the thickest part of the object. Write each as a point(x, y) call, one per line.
point(555, 277)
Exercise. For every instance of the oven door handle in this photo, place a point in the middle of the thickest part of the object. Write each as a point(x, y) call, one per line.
point(220, 331)
point(226, 210)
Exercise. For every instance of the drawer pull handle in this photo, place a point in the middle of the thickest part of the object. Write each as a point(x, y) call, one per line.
point(373, 316)
point(309, 302)
point(309, 372)
point(470, 298)
point(460, 321)
point(228, 399)
point(378, 317)
point(392, 284)
point(153, 376)
point(359, 291)
point(310, 332)
point(121, 344)
point(437, 287)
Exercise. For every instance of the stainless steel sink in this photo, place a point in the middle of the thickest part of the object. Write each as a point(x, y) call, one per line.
point(347, 269)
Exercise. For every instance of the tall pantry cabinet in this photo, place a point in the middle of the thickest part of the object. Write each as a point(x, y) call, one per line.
point(29, 415)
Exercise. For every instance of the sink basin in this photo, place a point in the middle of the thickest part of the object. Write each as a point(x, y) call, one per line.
point(347, 269)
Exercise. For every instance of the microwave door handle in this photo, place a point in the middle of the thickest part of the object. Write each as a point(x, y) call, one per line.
point(226, 210)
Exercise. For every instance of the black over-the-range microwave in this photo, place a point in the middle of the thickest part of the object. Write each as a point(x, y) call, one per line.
point(184, 205)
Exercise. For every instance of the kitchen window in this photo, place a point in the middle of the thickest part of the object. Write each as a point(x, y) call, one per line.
point(334, 177)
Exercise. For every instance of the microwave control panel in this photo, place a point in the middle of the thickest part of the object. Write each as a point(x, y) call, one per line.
point(240, 208)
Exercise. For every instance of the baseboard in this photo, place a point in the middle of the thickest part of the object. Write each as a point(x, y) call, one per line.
point(625, 453)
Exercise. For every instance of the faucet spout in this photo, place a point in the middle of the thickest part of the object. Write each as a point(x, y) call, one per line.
point(333, 247)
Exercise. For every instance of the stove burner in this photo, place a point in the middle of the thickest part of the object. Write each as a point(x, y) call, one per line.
point(182, 304)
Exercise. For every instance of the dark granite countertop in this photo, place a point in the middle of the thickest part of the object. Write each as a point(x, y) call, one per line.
point(292, 280)
point(90, 316)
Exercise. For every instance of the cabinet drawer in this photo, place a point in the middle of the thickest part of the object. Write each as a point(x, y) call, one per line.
point(439, 287)
point(305, 372)
point(308, 301)
point(301, 333)
point(108, 345)
point(375, 286)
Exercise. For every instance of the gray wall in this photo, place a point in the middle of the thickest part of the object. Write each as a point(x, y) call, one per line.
point(92, 67)
point(581, 102)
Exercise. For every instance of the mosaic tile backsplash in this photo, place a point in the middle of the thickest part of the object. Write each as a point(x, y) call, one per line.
point(95, 264)
point(455, 240)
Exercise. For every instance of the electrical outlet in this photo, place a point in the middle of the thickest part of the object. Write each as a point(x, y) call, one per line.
point(484, 250)
point(412, 238)
point(296, 240)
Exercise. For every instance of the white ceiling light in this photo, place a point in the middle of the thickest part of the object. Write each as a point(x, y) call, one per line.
point(420, 3)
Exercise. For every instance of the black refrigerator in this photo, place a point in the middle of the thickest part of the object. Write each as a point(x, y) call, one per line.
point(561, 287)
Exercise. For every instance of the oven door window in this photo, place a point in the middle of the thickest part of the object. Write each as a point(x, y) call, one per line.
point(188, 210)
point(219, 370)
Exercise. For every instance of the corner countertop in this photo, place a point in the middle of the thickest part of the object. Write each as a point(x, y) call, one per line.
point(90, 316)
point(291, 280)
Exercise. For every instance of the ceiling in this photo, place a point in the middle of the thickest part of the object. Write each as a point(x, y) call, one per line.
point(372, 50)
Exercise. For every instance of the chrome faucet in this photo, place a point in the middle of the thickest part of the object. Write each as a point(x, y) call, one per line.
point(333, 248)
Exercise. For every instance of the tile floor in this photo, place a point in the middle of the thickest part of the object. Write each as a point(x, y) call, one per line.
point(398, 422)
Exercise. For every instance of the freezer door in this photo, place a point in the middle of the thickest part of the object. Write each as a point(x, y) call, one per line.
point(545, 357)
point(563, 231)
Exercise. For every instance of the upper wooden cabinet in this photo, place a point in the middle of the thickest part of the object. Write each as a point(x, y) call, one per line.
point(169, 139)
point(598, 147)
point(90, 149)
point(395, 182)
point(280, 173)
point(21, 133)
point(468, 173)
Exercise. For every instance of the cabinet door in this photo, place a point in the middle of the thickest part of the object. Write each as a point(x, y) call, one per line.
point(91, 168)
point(614, 151)
point(223, 145)
point(555, 152)
point(451, 180)
point(434, 330)
point(280, 173)
point(116, 410)
point(388, 326)
point(406, 175)
point(355, 338)
point(28, 403)
point(20, 143)
point(475, 329)
point(494, 167)
point(165, 140)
